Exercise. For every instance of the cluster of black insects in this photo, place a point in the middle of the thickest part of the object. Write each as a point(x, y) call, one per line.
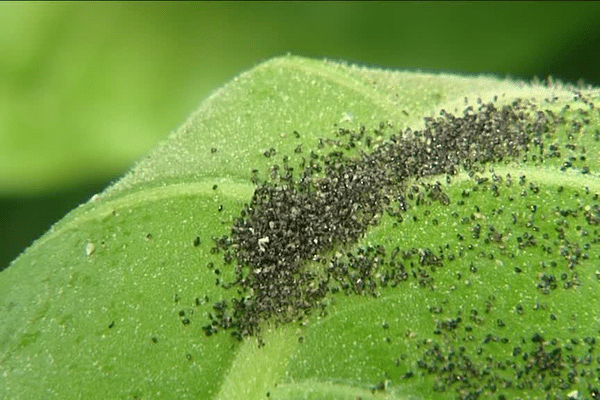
point(534, 360)
point(291, 221)
point(289, 247)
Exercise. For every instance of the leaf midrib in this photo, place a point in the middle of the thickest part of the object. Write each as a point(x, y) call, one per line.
point(92, 211)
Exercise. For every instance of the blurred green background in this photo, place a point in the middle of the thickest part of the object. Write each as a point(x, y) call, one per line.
point(86, 89)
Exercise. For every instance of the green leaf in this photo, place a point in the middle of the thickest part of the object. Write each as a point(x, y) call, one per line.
point(499, 291)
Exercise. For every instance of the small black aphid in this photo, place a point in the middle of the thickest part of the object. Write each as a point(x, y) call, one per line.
point(537, 338)
point(196, 242)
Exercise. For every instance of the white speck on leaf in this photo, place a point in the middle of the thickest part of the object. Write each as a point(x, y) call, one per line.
point(89, 249)
point(347, 117)
point(262, 242)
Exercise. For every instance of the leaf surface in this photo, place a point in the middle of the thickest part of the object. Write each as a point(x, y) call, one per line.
point(115, 298)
